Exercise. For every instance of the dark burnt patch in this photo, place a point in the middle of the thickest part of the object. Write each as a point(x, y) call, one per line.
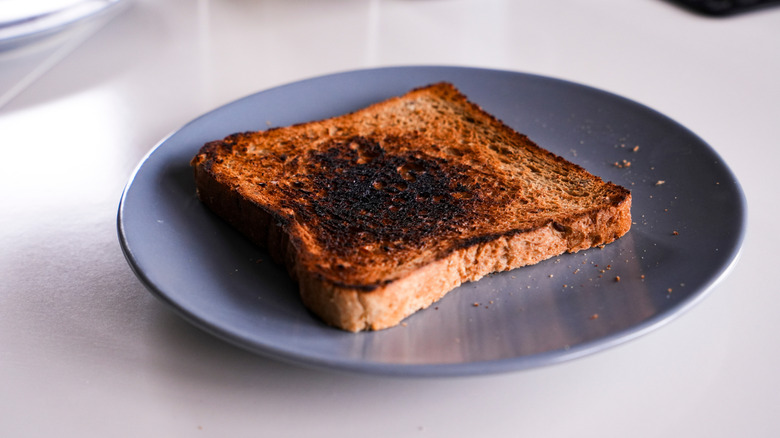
point(359, 195)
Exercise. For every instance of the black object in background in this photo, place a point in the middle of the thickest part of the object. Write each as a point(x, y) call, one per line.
point(725, 7)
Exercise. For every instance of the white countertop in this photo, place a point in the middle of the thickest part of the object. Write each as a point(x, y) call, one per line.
point(86, 350)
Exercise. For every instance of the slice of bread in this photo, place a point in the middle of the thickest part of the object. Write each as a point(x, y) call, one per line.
point(380, 212)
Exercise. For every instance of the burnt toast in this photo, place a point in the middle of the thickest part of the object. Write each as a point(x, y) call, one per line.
point(380, 212)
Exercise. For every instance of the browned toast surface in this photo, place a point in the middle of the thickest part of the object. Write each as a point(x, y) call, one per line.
point(380, 212)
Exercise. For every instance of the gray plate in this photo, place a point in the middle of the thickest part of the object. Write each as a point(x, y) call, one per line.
point(687, 233)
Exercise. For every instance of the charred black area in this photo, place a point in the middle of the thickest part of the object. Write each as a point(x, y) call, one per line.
point(360, 195)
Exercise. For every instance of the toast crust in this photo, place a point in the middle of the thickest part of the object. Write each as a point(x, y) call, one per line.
point(380, 212)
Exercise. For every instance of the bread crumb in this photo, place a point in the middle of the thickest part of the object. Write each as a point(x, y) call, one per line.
point(594, 316)
point(622, 164)
point(669, 290)
point(642, 277)
point(475, 304)
point(636, 148)
point(660, 182)
point(675, 233)
point(403, 324)
point(617, 278)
